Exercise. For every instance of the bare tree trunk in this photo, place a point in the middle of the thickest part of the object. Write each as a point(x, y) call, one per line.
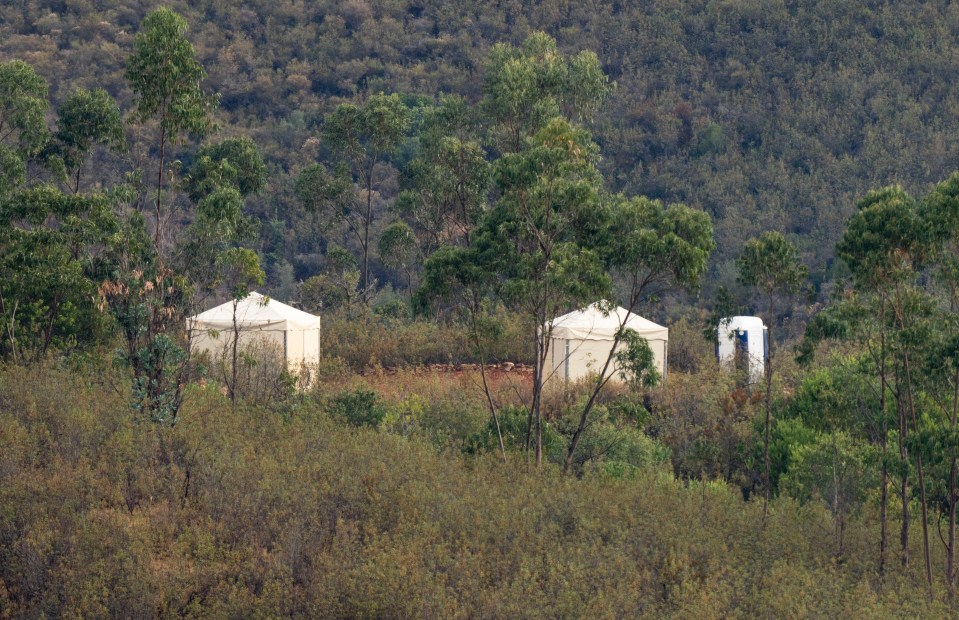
point(366, 231)
point(953, 474)
point(539, 379)
point(156, 233)
point(492, 408)
point(767, 484)
point(601, 381)
point(884, 428)
point(922, 482)
point(236, 342)
point(904, 490)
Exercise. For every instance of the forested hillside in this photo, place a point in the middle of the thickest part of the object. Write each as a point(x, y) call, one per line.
point(446, 184)
point(767, 114)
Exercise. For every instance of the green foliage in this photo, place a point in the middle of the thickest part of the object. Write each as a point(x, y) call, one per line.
point(446, 183)
point(51, 253)
point(358, 139)
point(398, 247)
point(236, 162)
point(84, 120)
point(242, 271)
point(165, 77)
point(613, 443)
point(635, 360)
point(884, 241)
point(23, 103)
point(97, 509)
point(771, 264)
point(358, 408)
point(526, 87)
point(654, 247)
point(145, 306)
point(336, 286)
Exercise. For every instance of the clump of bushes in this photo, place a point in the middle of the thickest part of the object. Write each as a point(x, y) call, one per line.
point(369, 339)
point(358, 408)
point(239, 511)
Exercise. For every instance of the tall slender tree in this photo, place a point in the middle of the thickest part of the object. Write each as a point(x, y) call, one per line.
point(359, 138)
point(770, 265)
point(650, 247)
point(165, 78)
point(885, 245)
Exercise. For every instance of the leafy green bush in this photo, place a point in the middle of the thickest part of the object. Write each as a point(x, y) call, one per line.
point(358, 408)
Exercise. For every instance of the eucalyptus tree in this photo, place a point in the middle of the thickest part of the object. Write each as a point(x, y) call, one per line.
point(770, 264)
point(859, 316)
point(399, 250)
point(241, 272)
point(536, 247)
point(542, 233)
point(50, 255)
point(234, 162)
point(465, 276)
point(359, 137)
point(86, 119)
point(23, 129)
point(525, 87)
point(446, 184)
point(651, 248)
point(885, 245)
point(940, 213)
point(165, 78)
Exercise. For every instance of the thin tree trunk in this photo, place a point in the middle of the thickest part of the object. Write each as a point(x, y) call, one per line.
point(236, 341)
point(366, 231)
point(156, 233)
point(539, 378)
point(531, 416)
point(904, 491)
point(769, 383)
point(884, 425)
point(597, 388)
point(922, 482)
point(492, 408)
point(953, 473)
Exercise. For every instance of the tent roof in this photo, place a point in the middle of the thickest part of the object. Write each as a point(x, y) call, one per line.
point(592, 324)
point(257, 311)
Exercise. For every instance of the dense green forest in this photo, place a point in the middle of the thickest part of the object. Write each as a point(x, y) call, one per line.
point(767, 115)
point(440, 182)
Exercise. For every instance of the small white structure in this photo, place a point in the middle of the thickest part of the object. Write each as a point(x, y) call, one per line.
point(743, 343)
point(581, 341)
point(261, 321)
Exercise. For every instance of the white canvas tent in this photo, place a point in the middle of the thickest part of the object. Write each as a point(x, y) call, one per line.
point(292, 333)
point(582, 340)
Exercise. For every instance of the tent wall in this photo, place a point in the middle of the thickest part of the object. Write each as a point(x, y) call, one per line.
point(311, 346)
point(573, 359)
point(220, 342)
point(303, 347)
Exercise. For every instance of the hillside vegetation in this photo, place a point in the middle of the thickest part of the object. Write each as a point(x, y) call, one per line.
point(440, 181)
point(283, 511)
point(766, 114)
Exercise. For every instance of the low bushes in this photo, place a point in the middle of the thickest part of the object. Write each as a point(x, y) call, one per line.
point(367, 340)
point(251, 511)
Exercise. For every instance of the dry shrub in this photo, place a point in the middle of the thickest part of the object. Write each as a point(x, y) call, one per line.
point(369, 340)
point(241, 512)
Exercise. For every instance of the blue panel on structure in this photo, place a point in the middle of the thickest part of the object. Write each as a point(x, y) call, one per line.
point(742, 350)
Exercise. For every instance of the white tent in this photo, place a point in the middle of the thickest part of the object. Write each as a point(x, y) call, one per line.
point(262, 321)
point(581, 341)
